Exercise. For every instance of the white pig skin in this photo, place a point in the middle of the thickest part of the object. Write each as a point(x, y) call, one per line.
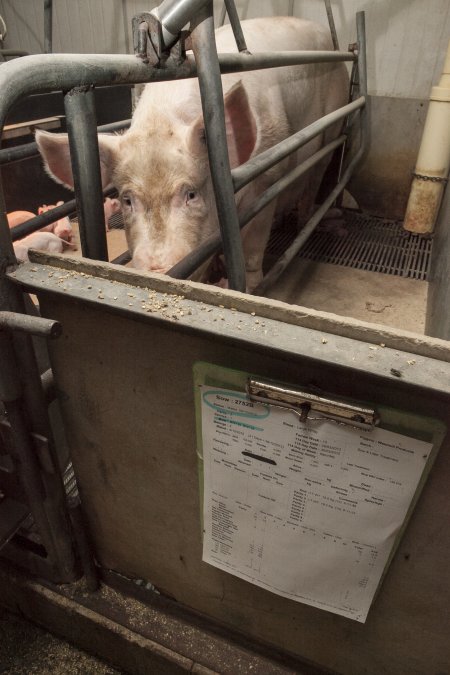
point(160, 167)
point(42, 241)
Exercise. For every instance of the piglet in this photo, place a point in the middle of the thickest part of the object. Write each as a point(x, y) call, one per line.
point(110, 206)
point(43, 241)
point(62, 227)
point(18, 217)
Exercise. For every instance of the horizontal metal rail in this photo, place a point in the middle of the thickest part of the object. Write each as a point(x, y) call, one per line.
point(19, 152)
point(34, 325)
point(255, 166)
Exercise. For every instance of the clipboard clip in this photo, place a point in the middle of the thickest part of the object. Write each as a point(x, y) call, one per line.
point(302, 403)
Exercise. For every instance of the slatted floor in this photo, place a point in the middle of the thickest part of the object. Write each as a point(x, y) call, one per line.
point(362, 242)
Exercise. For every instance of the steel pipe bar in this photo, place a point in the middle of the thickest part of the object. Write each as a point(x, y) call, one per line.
point(245, 173)
point(8, 155)
point(203, 46)
point(332, 25)
point(44, 72)
point(212, 245)
point(236, 26)
point(13, 52)
point(79, 104)
point(48, 26)
point(34, 325)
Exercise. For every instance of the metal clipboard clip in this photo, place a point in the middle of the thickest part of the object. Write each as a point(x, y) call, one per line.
point(302, 403)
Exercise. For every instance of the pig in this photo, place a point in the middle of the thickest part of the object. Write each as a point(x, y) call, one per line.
point(43, 241)
point(18, 217)
point(160, 166)
point(110, 207)
point(62, 227)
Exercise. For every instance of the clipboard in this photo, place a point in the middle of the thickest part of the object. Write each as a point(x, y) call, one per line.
point(303, 408)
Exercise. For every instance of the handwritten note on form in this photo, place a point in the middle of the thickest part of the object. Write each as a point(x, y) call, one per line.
point(307, 511)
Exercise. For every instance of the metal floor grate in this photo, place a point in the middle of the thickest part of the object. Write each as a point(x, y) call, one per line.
point(362, 242)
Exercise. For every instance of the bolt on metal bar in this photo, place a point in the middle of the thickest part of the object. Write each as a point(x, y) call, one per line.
point(83, 141)
point(8, 155)
point(184, 268)
point(242, 175)
point(48, 26)
point(34, 325)
point(203, 45)
point(236, 26)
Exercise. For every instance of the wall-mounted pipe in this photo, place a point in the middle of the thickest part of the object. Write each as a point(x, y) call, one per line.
point(433, 161)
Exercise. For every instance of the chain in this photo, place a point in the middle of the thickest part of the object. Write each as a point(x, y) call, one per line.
point(432, 179)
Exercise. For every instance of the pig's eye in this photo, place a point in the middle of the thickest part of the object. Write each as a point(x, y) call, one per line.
point(127, 202)
point(190, 196)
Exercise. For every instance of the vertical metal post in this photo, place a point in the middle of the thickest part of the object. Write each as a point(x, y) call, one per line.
point(331, 23)
point(45, 491)
point(236, 25)
point(48, 26)
point(204, 48)
point(81, 120)
point(362, 80)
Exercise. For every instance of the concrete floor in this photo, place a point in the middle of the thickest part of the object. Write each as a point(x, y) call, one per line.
point(26, 649)
point(367, 296)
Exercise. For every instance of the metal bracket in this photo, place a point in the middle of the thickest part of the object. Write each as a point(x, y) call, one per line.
point(149, 46)
point(303, 402)
point(40, 444)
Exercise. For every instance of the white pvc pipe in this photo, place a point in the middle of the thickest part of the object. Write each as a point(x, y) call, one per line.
point(433, 161)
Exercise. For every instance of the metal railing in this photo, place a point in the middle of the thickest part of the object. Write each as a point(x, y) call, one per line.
point(76, 76)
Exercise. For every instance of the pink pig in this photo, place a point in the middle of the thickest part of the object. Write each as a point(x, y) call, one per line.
point(43, 241)
point(18, 217)
point(110, 206)
point(62, 227)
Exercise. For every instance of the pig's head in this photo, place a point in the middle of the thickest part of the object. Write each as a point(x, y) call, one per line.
point(161, 172)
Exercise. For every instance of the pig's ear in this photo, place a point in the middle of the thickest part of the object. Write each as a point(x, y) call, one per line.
point(240, 125)
point(197, 139)
point(54, 149)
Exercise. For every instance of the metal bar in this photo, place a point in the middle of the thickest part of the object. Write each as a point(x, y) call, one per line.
point(8, 155)
point(173, 15)
point(79, 104)
point(223, 13)
point(332, 25)
point(236, 26)
point(212, 245)
point(48, 26)
point(290, 11)
point(298, 242)
point(203, 45)
point(122, 259)
point(45, 500)
point(43, 72)
point(245, 173)
point(34, 325)
point(83, 543)
point(13, 52)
